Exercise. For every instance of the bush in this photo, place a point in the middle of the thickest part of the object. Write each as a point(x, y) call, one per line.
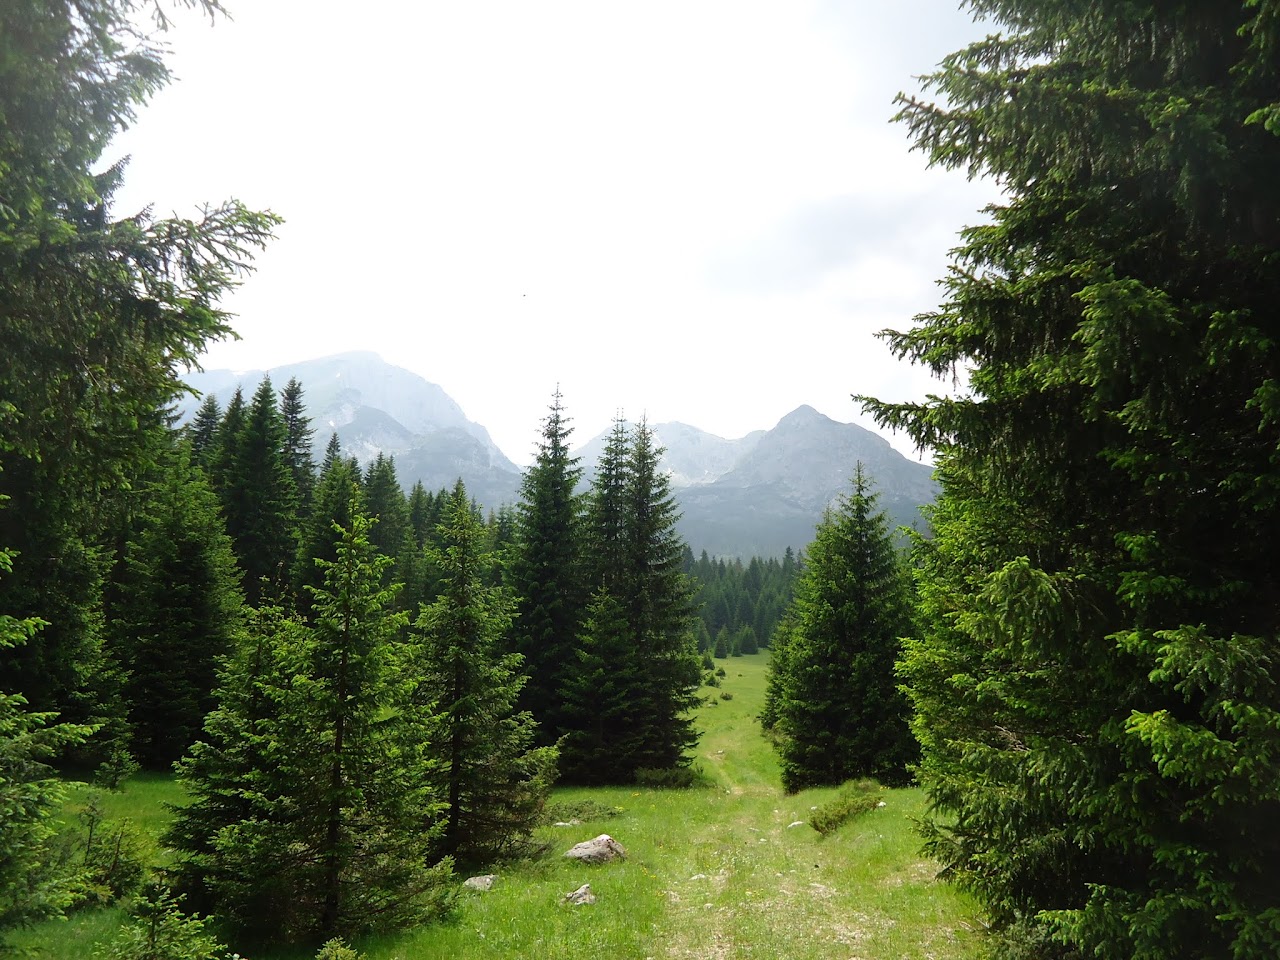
point(711, 680)
point(161, 931)
point(677, 778)
point(337, 949)
point(100, 861)
point(853, 800)
point(726, 695)
point(720, 672)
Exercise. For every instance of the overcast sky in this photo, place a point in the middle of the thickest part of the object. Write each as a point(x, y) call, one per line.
point(693, 210)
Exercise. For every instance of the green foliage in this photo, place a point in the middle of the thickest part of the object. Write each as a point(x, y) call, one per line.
point(671, 778)
point(312, 807)
point(585, 811)
point(103, 860)
point(101, 317)
point(337, 949)
point(161, 931)
point(492, 779)
point(29, 797)
point(174, 609)
point(853, 800)
point(545, 573)
point(837, 704)
point(1094, 681)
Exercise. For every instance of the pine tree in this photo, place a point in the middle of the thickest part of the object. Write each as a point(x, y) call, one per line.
point(203, 431)
point(100, 318)
point(1095, 683)
point(177, 605)
point(260, 500)
point(546, 573)
point(297, 440)
point(841, 714)
point(493, 779)
point(30, 797)
point(339, 819)
point(336, 492)
point(656, 600)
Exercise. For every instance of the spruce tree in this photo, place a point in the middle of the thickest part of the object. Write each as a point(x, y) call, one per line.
point(840, 712)
point(337, 490)
point(297, 440)
point(203, 431)
point(177, 605)
point(1095, 683)
point(340, 815)
point(30, 796)
point(260, 498)
point(546, 573)
point(492, 778)
point(657, 601)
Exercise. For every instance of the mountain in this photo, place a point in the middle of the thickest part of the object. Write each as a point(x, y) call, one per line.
point(767, 491)
point(374, 406)
point(692, 456)
point(756, 495)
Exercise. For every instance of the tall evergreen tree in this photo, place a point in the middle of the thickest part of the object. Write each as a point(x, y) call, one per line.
point(334, 842)
point(203, 431)
point(546, 573)
point(260, 499)
point(1096, 684)
point(656, 600)
point(177, 605)
point(30, 797)
point(493, 779)
point(839, 710)
point(336, 492)
point(297, 440)
point(100, 318)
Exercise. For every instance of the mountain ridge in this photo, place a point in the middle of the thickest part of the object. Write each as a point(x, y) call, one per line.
point(753, 495)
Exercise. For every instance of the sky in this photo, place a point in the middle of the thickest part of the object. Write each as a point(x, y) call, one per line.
point(687, 210)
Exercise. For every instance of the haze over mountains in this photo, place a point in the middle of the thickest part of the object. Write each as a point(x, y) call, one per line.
point(755, 495)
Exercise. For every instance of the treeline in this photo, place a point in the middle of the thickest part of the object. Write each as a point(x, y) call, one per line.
point(739, 604)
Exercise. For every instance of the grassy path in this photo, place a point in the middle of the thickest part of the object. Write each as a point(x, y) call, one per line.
point(716, 872)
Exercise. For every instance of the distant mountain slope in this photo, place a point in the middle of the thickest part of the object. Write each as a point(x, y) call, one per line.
point(765, 492)
point(375, 406)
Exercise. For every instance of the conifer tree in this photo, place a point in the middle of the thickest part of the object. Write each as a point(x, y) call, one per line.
point(492, 778)
point(177, 605)
point(260, 498)
point(337, 490)
point(297, 440)
point(1095, 684)
point(203, 431)
point(546, 573)
point(841, 714)
point(340, 817)
point(656, 600)
point(30, 796)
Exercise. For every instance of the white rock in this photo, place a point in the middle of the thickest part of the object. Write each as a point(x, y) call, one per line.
point(582, 895)
point(795, 823)
point(480, 883)
point(600, 850)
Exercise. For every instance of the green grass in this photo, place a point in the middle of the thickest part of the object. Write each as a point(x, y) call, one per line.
point(713, 872)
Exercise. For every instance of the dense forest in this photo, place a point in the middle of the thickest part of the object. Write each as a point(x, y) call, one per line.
point(363, 689)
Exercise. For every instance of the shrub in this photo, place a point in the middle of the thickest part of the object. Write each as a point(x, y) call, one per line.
point(337, 949)
point(854, 799)
point(161, 931)
point(677, 778)
point(726, 695)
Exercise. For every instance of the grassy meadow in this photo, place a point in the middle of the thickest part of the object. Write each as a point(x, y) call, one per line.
point(711, 872)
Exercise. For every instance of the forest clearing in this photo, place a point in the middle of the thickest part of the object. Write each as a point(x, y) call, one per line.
point(714, 871)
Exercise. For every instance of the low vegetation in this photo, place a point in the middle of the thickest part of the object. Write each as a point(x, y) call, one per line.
point(712, 871)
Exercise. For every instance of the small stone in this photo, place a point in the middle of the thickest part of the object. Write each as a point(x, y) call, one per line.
point(582, 895)
point(568, 823)
point(698, 876)
point(795, 823)
point(881, 804)
point(482, 883)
